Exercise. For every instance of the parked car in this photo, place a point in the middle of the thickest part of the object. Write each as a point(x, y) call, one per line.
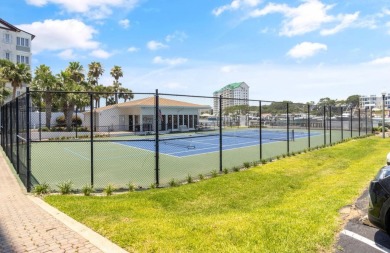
point(388, 159)
point(379, 199)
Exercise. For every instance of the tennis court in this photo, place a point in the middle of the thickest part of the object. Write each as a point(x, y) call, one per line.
point(208, 142)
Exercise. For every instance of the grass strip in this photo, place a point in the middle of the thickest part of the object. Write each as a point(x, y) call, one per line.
point(286, 206)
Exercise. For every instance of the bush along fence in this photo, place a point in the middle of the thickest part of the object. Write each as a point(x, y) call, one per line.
point(155, 139)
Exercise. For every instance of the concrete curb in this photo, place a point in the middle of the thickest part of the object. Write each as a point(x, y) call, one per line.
point(96, 239)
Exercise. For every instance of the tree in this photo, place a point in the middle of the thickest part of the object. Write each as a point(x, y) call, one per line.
point(353, 100)
point(116, 73)
point(44, 80)
point(125, 93)
point(95, 70)
point(3, 80)
point(17, 74)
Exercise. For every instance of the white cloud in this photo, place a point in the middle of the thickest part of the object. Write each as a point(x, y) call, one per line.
point(177, 35)
point(346, 21)
point(306, 49)
point(96, 9)
point(227, 69)
point(99, 53)
point(132, 49)
point(309, 16)
point(155, 45)
point(67, 54)
point(234, 5)
point(169, 61)
point(298, 83)
point(125, 23)
point(50, 35)
point(380, 61)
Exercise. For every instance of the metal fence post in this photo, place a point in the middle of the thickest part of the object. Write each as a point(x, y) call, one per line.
point(359, 120)
point(308, 125)
point(330, 125)
point(28, 138)
point(260, 133)
point(157, 151)
point(371, 121)
point(365, 113)
point(350, 117)
point(288, 130)
point(324, 125)
point(17, 135)
point(91, 137)
point(40, 119)
point(342, 125)
point(220, 134)
point(11, 120)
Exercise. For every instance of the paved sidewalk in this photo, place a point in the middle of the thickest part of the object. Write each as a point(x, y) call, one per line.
point(26, 227)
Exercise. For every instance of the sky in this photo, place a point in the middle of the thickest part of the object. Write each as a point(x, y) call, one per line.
point(299, 51)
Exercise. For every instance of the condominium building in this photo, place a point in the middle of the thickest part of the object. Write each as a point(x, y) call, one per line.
point(233, 94)
point(374, 101)
point(15, 44)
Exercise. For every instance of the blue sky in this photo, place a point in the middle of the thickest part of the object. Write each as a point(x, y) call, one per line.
point(284, 50)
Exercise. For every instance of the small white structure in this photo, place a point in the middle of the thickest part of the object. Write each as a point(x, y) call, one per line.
point(139, 116)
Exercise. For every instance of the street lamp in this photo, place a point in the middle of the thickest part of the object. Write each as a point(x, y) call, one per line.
point(383, 113)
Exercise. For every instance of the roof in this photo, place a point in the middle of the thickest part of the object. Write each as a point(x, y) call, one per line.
point(14, 28)
point(150, 102)
point(231, 86)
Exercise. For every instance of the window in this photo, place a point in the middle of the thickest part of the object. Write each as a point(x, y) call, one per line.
point(23, 59)
point(8, 56)
point(7, 38)
point(22, 42)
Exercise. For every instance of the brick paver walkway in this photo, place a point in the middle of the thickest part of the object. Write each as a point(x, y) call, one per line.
point(26, 227)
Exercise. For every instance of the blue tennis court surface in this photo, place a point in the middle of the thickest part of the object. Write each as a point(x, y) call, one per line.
point(195, 144)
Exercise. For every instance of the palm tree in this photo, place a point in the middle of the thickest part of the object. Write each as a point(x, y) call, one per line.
point(69, 99)
point(99, 89)
point(116, 73)
point(76, 71)
point(125, 93)
point(44, 80)
point(94, 72)
point(3, 81)
point(17, 74)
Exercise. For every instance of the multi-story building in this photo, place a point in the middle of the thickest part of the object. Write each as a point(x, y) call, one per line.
point(15, 44)
point(374, 101)
point(234, 94)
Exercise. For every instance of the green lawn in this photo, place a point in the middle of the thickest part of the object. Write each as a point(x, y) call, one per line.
point(290, 205)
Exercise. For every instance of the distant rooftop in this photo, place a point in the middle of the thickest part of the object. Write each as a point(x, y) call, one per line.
point(231, 86)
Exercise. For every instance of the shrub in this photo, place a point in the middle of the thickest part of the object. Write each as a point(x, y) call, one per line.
point(172, 183)
point(41, 189)
point(65, 187)
point(214, 173)
point(153, 186)
point(131, 186)
point(263, 161)
point(236, 169)
point(109, 189)
point(75, 122)
point(87, 190)
point(189, 179)
point(247, 165)
point(225, 171)
point(201, 176)
point(45, 129)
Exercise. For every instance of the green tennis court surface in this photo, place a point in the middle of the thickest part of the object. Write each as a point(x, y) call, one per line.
point(119, 163)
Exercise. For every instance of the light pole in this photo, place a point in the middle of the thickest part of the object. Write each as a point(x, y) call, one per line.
point(383, 114)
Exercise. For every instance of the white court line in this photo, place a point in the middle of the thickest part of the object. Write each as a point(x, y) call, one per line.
point(77, 154)
point(366, 241)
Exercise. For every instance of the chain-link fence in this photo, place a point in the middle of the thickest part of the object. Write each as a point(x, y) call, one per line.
point(159, 139)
